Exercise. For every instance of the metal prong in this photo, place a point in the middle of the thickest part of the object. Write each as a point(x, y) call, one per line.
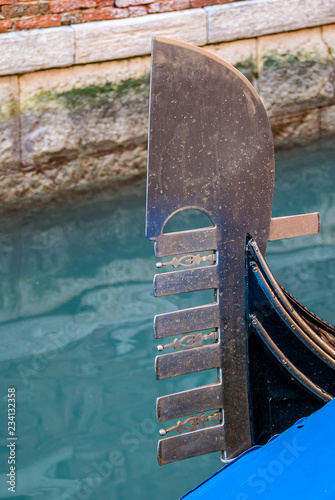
point(187, 321)
point(186, 280)
point(190, 402)
point(178, 363)
point(294, 225)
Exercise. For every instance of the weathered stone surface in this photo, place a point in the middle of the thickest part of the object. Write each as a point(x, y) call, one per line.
point(88, 124)
point(83, 111)
point(295, 72)
point(36, 49)
point(76, 172)
point(327, 119)
point(114, 39)
point(328, 35)
point(261, 17)
point(242, 54)
point(295, 128)
point(9, 124)
point(117, 39)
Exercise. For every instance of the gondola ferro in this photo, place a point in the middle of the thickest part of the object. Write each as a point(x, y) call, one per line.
point(211, 149)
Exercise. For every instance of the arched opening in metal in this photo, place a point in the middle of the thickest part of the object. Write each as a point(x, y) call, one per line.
point(187, 220)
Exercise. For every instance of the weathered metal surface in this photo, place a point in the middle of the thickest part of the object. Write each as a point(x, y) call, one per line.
point(183, 403)
point(294, 225)
point(191, 444)
point(187, 280)
point(294, 372)
point(301, 350)
point(289, 316)
point(186, 241)
point(211, 149)
point(187, 320)
point(191, 361)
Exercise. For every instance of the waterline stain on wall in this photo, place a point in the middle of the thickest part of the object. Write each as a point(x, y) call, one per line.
point(79, 99)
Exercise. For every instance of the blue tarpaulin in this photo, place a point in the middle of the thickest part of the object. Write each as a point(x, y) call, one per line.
point(299, 463)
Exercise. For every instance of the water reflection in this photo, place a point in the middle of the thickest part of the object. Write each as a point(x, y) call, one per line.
point(76, 336)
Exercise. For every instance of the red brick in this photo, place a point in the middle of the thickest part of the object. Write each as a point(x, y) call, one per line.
point(168, 6)
point(19, 10)
point(72, 18)
point(137, 11)
point(126, 3)
point(68, 5)
point(6, 2)
point(104, 14)
point(38, 22)
point(25, 1)
point(105, 3)
point(5, 25)
point(204, 3)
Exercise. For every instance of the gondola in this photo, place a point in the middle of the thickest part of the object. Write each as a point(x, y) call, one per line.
point(211, 149)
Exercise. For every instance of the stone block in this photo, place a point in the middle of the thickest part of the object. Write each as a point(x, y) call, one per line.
point(76, 172)
point(9, 124)
point(36, 49)
point(121, 38)
point(261, 17)
point(328, 35)
point(295, 129)
point(295, 72)
point(83, 111)
point(327, 119)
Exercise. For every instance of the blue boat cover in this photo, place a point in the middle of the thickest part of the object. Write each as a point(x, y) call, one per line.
point(299, 463)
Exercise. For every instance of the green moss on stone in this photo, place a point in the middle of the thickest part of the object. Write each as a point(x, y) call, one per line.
point(8, 109)
point(93, 95)
point(300, 60)
point(248, 68)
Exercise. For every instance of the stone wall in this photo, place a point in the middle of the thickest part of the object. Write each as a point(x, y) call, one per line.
point(86, 124)
point(16, 15)
point(30, 14)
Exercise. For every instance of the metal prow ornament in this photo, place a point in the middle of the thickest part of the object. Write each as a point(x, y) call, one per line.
point(210, 149)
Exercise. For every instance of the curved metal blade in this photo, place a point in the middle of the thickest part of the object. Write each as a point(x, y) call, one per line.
point(210, 148)
point(210, 144)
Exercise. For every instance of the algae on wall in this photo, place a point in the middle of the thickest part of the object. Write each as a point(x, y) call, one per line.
point(81, 99)
point(84, 120)
point(295, 72)
point(9, 124)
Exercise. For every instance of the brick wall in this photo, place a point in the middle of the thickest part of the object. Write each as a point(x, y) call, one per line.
point(29, 14)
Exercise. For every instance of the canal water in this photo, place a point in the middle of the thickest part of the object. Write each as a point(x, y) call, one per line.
point(76, 339)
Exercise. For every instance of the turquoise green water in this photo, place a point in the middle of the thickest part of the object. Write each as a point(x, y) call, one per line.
point(76, 336)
